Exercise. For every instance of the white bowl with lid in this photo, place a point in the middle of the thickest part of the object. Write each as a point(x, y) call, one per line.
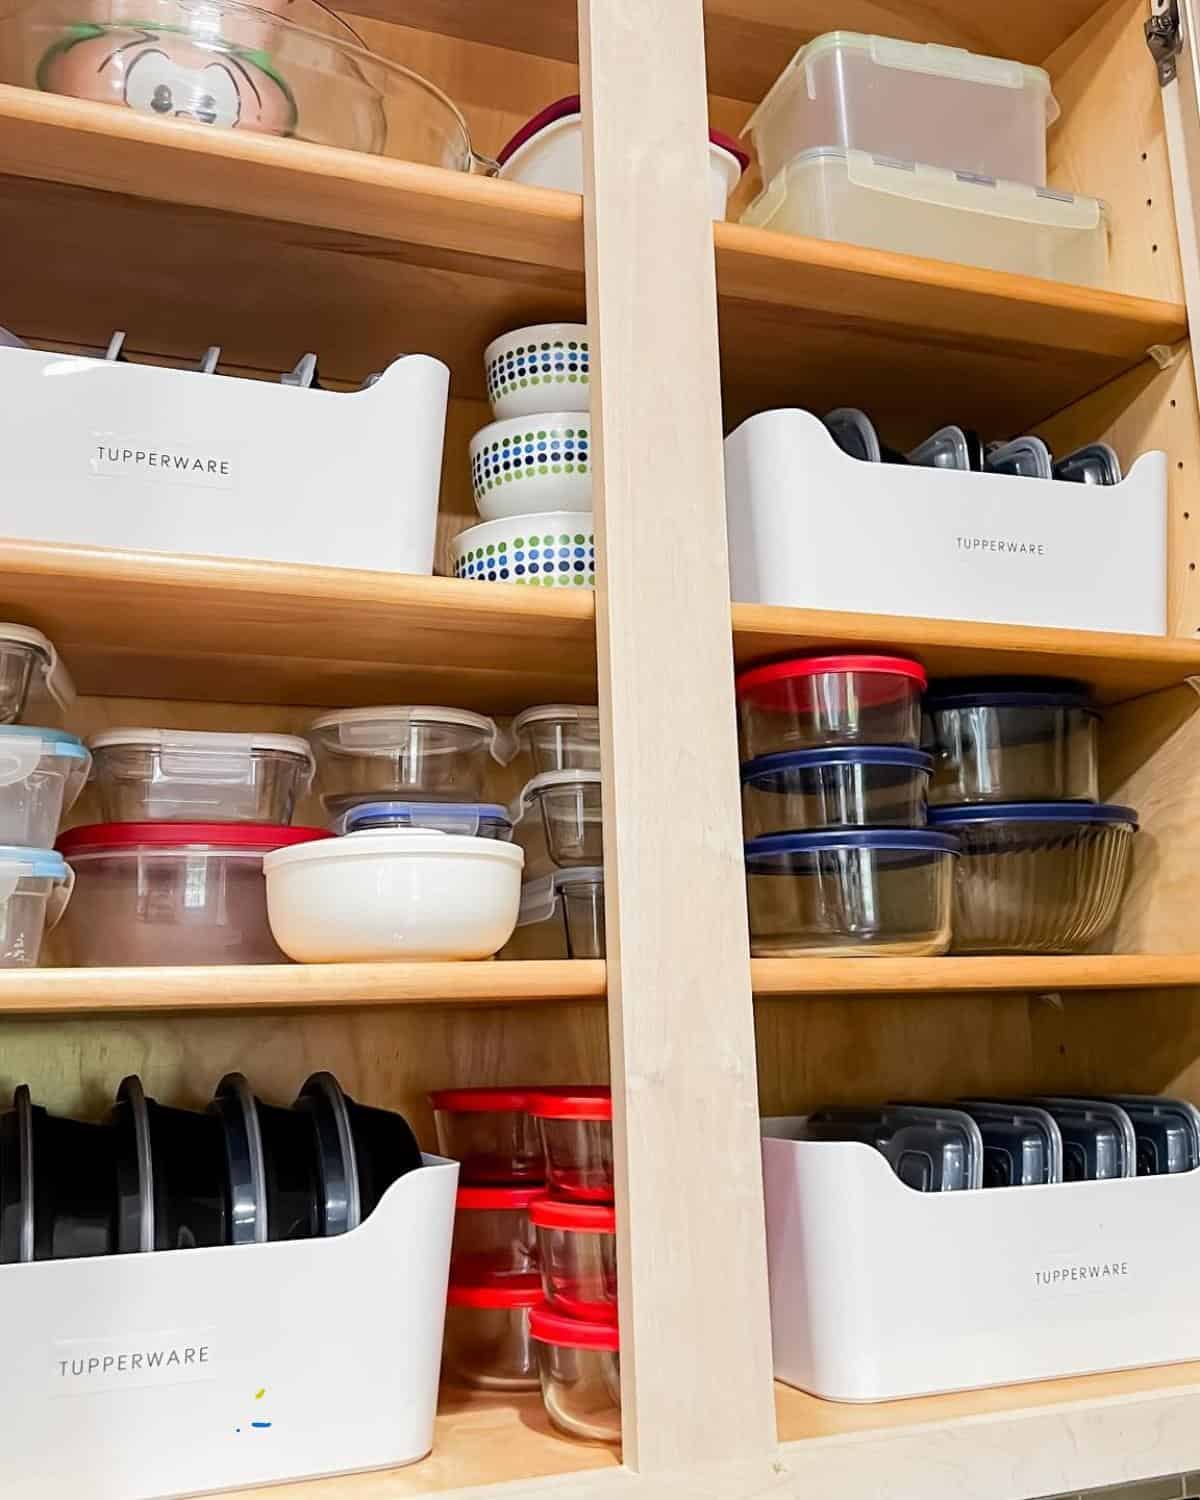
point(404, 894)
point(188, 775)
point(420, 751)
point(30, 665)
point(42, 772)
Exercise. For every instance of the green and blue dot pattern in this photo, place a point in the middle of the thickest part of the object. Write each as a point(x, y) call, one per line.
point(550, 363)
point(530, 454)
point(557, 559)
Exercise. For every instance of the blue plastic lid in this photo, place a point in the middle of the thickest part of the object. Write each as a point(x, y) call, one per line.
point(774, 767)
point(470, 818)
point(45, 862)
point(66, 744)
point(902, 840)
point(1033, 812)
point(1007, 692)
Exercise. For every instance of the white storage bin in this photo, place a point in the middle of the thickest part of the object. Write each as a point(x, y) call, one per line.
point(834, 194)
point(879, 1291)
point(812, 527)
point(913, 100)
point(206, 1369)
point(108, 454)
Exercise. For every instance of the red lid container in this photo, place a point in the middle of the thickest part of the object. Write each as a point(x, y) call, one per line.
point(582, 1102)
point(497, 1199)
point(549, 1327)
point(521, 1290)
point(101, 838)
point(562, 1213)
point(480, 1101)
point(817, 701)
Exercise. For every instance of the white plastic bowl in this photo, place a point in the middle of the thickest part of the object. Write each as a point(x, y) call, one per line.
point(531, 369)
point(401, 894)
point(533, 465)
point(556, 551)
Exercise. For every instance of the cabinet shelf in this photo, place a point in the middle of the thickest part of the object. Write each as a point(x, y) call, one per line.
point(1000, 975)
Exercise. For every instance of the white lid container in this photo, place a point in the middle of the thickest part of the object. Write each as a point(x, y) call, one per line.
point(912, 100)
point(835, 194)
point(416, 750)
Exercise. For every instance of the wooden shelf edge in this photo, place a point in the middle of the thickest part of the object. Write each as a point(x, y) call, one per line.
point(897, 976)
point(115, 991)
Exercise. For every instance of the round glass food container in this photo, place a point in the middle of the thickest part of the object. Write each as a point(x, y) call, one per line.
point(1012, 739)
point(394, 753)
point(35, 886)
point(579, 894)
point(479, 820)
point(492, 1232)
point(576, 1128)
point(185, 775)
point(577, 1253)
point(569, 805)
point(579, 1366)
point(809, 701)
point(42, 772)
point(857, 892)
point(283, 69)
point(1037, 877)
point(490, 1133)
point(560, 736)
point(172, 893)
point(856, 786)
point(29, 664)
point(487, 1332)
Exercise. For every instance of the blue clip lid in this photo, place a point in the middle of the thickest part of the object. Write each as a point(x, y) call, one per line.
point(1033, 812)
point(43, 862)
point(770, 771)
point(1007, 692)
point(474, 819)
point(764, 853)
point(62, 743)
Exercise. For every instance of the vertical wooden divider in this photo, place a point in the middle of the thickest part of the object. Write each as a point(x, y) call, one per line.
point(695, 1338)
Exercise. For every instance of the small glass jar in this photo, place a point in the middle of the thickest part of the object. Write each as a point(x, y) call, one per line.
point(488, 1343)
point(577, 1253)
point(492, 1232)
point(576, 1127)
point(490, 1133)
point(579, 1365)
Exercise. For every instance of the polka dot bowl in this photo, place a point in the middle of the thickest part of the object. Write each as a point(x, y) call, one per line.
point(556, 550)
point(543, 367)
point(533, 465)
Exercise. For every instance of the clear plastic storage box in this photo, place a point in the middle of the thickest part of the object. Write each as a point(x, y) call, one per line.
point(912, 100)
point(831, 193)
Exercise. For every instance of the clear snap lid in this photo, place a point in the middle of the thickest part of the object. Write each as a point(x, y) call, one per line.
point(466, 818)
point(539, 898)
point(55, 676)
point(1034, 812)
point(23, 748)
point(559, 713)
point(45, 863)
point(1007, 692)
point(383, 731)
point(769, 772)
point(202, 754)
point(551, 781)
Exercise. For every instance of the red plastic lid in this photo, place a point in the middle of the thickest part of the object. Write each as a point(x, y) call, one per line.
point(549, 1327)
point(480, 1101)
point(813, 666)
point(561, 1213)
point(569, 105)
point(586, 1101)
point(99, 837)
point(472, 1198)
point(522, 1289)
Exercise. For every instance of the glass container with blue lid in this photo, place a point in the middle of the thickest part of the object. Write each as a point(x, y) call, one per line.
point(853, 786)
point(481, 820)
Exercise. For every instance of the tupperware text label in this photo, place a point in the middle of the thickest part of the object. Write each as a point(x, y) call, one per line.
point(115, 457)
point(1000, 544)
point(79, 1367)
point(1079, 1276)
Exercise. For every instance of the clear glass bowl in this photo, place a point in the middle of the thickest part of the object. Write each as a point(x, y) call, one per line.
point(490, 1133)
point(488, 1343)
point(849, 787)
point(492, 1232)
point(577, 1254)
point(570, 805)
point(580, 1369)
point(576, 1127)
point(803, 702)
point(290, 69)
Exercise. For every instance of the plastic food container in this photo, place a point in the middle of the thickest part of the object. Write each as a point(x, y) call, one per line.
point(172, 893)
point(569, 805)
point(1037, 877)
point(1012, 739)
point(493, 1235)
point(487, 1332)
point(416, 895)
point(833, 194)
point(29, 665)
point(490, 1133)
point(477, 820)
point(56, 1185)
point(538, 465)
point(856, 786)
point(576, 1129)
point(424, 752)
point(550, 551)
point(851, 893)
point(548, 152)
point(35, 886)
point(237, 67)
point(42, 772)
point(577, 1254)
point(560, 736)
point(579, 1365)
point(184, 775)
point(579, 893)
point(910, 100)
point(546, 367)
point(808, 701)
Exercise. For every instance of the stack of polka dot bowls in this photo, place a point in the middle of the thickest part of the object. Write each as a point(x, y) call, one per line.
point(531, 469)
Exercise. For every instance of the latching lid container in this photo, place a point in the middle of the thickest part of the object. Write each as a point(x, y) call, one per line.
point(29, 662)
point(484, 820)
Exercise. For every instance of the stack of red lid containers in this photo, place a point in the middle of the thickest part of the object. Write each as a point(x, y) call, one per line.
point(533, 1273)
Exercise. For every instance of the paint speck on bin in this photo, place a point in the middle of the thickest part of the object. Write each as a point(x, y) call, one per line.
point(258, 1395)
point(260, 1424)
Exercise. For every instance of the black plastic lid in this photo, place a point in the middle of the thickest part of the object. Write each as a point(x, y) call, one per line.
point(1007, 692)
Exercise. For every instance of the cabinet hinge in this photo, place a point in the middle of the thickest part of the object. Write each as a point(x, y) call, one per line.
point(1164, 37)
